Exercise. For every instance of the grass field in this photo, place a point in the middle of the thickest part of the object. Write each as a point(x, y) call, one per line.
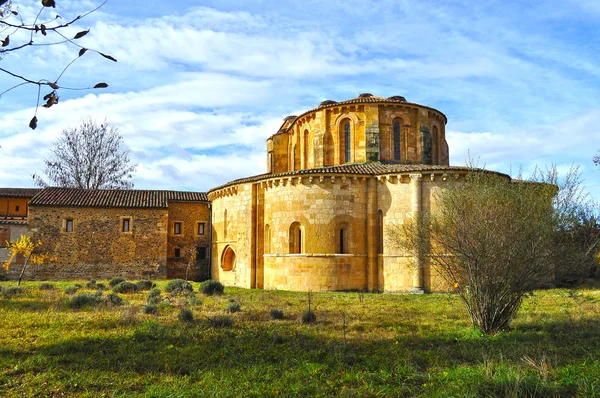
point(360, 345)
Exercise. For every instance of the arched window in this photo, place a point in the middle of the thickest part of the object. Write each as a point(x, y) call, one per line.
point(427, 151)
point(435, 137)
point(295, 238)
point(296, 156)
point(305, 153)
point(380, 232)
point(397, 126)
point(225, 223)
point(267, 239)
point(228, 259)
point(347, 143)
point(343, 239)
point(328, 152)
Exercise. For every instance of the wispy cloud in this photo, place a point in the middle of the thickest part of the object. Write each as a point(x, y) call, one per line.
point(197, 90)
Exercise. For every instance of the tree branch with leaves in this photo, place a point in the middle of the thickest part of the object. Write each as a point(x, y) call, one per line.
point(41, 32)
point(28, 248)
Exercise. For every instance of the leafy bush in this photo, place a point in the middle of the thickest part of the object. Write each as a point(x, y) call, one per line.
point(234, 307)
point(309, 316)
point(178, 285)
point(116, 280)
point(71, 290)
point(221, 321)
point(211, 287)
point(154, 292)
point(114, 299)
point(84, 299)
point(185, 315)
point(192, 299)
point(125, 287)
point(100, 286)
point(145, 284)
point(150, 309)
point(46, 286)
point(91, 284)
point(276, 314)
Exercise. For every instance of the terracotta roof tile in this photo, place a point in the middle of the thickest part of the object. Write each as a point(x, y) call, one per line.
point(19, 192)
point(113, 197)
point(368, 169)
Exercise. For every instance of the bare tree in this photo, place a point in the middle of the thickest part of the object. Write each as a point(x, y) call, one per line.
point(495, 240)
point(91, 156)
point(48, 30)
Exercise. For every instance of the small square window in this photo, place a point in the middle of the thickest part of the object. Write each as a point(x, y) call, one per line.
point(68, 225)
point(177, 252)
point(126, 226)
point(201, 253)
point(17, 208)
point(201, 228)
point(177, 229)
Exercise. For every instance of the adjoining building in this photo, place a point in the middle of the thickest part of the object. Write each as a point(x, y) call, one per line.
point(338, 178)
point(134, 233)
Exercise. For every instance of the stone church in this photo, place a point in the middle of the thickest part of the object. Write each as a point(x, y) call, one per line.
point(338, 177)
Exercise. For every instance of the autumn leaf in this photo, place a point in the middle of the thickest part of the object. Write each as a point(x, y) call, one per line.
point(82, 51)
point(108, 57)
point(49, 3)
point(79, 35)
point(6, 41)
point(33, 123)
point(101, 85)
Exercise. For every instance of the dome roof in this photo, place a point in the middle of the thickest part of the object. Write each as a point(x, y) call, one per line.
point(327, 102)
point(397, 98)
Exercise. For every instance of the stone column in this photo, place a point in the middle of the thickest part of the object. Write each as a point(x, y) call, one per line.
point(372, 241)
point(416, 202)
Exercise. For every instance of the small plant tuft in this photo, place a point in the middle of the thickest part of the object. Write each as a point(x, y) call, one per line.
point(125, 287)
point(84, 300)
point(115, 281)
point(233, 307)
point(221, 321)
point(276, 314)
point(309, 316)
point(46, 286)
point(114, 299)
point(9, 292)
point(145, 284)
point(176, 286)
point(150, 309)
point(91, 284)
point(185, 315)
point(154, 292)
point(100, 286)
point(71, 290)
point(211, 287)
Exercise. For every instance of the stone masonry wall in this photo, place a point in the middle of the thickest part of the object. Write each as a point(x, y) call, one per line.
point(188, 241)
point(232, 226)
point(97, 248)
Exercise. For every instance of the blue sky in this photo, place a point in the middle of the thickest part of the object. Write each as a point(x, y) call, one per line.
point(199, 86)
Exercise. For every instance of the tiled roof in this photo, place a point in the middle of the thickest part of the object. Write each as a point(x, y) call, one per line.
point(369, 169)
point(113, 197)
point(19, 192)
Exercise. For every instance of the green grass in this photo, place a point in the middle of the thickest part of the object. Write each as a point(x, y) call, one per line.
point(395, 345)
